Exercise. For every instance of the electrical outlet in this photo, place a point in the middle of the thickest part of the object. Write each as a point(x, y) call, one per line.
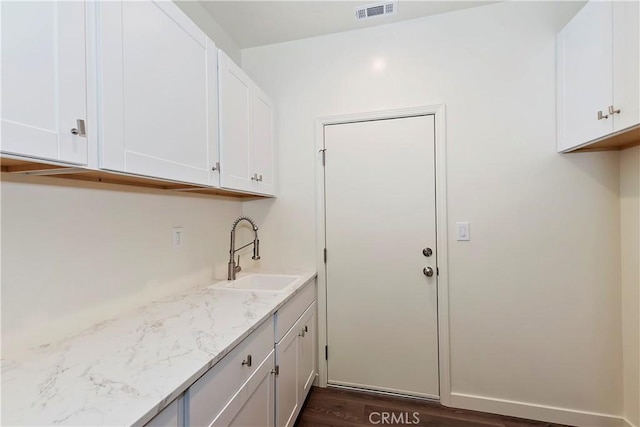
point(178, 237)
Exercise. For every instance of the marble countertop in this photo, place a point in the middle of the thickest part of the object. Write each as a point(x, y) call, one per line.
point(124, 370)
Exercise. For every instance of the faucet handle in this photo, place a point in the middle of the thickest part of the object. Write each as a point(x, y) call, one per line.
point(256, 250)
point(237, 267)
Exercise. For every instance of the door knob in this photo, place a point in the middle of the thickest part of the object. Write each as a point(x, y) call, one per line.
point(427, 252)
point(427, 271)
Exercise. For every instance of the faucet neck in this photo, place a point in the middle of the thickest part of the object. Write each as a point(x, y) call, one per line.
point(232, 267)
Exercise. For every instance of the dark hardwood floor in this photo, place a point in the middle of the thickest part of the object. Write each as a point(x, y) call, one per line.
point(328, 407)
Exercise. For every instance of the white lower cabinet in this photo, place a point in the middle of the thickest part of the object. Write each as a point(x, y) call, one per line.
point(263, 381)
point(253, 404)
point(171, 416)
point(296, 354)
point(296, 361)
point(232, 378)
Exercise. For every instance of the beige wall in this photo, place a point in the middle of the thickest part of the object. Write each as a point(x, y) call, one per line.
point(76, 253)
point(534, 296)
point(630, 240)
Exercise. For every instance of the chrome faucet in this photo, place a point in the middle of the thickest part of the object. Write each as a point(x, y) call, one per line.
point(233, 268)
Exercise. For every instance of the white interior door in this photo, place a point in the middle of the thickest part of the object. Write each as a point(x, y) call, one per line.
point(380, 214)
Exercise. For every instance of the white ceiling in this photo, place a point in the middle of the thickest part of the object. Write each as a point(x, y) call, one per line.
point(257, 23)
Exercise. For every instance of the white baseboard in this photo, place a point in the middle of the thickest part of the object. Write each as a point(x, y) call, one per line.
point(627, 423)
point(536, 412)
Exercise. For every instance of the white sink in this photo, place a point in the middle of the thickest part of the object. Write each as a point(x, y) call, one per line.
point(259, 283)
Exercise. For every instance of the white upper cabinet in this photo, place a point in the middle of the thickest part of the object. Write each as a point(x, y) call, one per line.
point(235, 138)
point(626, 68)
point(597, 73)
point(157, 90)
point(246, 132)
point(262, 136)
point(44, 80)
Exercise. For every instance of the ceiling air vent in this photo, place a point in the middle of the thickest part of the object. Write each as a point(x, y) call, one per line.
point(376, 9)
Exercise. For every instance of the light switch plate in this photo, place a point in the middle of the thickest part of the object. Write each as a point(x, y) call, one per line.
point(462, 231)
point(178, 237)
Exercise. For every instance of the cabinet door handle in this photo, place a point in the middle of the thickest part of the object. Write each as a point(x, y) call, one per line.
point(247, 361)
point(260, 178)
point(302, 333)
point(602, 116)
point(612, 111)
point(254, 177)
point(80, 130)
point(306, 328)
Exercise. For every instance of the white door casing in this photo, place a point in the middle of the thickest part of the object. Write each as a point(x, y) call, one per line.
point(380, 214)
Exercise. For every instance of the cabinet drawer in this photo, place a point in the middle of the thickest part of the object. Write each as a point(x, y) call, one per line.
point(209, 395)
point(289, 313)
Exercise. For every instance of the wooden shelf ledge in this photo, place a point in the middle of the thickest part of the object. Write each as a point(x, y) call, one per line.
point(625, 138)
point(35, 167)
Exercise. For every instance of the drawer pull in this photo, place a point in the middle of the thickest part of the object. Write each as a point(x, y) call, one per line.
point(247, 361)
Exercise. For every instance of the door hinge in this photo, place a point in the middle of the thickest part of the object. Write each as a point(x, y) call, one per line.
point(437, 271)
point(324, 156)
point(276, 370)
point(326, 352)
point(325, 255)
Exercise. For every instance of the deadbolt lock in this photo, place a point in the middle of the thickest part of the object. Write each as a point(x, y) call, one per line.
point(427, 252)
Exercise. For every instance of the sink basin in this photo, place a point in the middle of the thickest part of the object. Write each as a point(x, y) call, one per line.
point(259, 282)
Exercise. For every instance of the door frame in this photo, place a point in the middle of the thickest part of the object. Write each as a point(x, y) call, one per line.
point(438, 111)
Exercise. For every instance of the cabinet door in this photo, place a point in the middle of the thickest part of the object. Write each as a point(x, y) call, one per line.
point(287, 401)
point(626, 69)
point(307, 347)
point(235, 137)
point(44, 79)
point(262, 135)
point(171, 416)
point(157, 91)
point(585, 75)
point(253, 404)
